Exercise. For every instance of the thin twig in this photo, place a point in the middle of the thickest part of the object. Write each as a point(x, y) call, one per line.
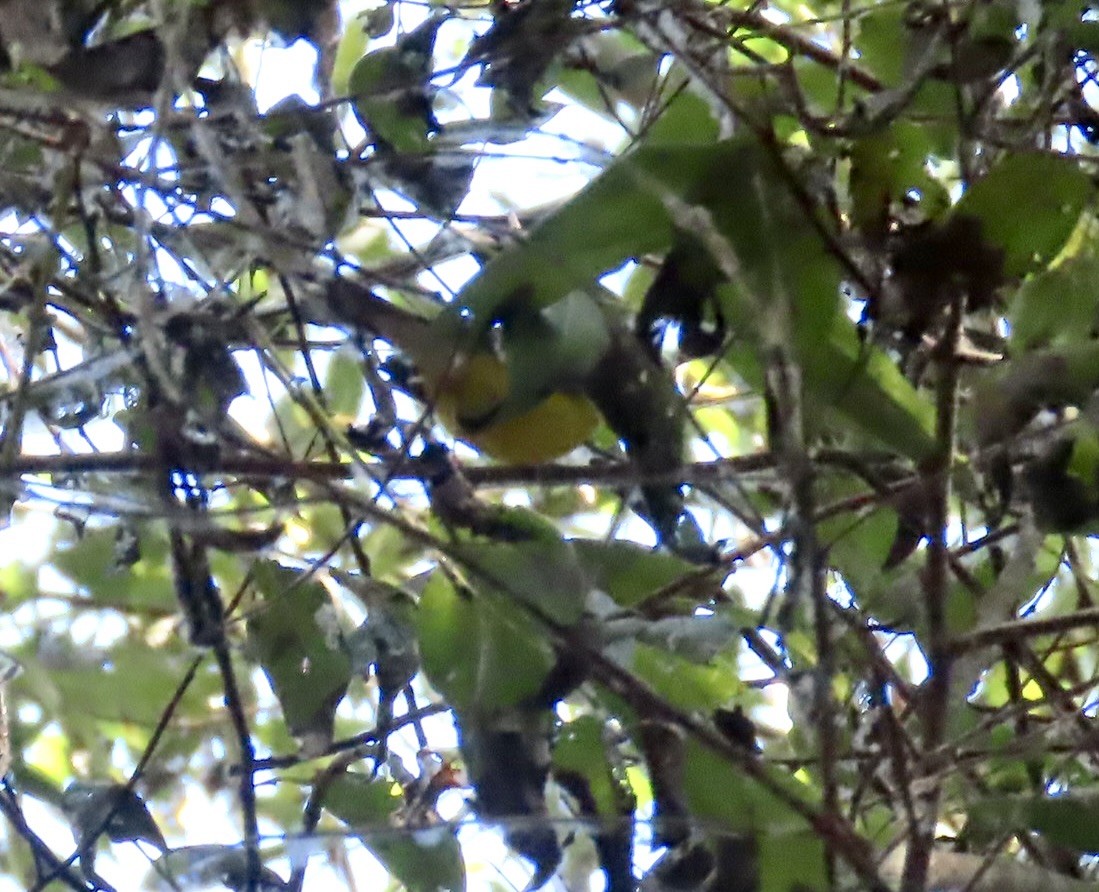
point(247, 787)
point(936, 695)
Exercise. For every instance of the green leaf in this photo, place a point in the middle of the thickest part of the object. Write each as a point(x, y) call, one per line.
point(475, 653)
point(883, 43)
point(885, 167)
point(344, 385)
point(608, 222)
point(545, 575)
point(858, 543)
point(1057, 306)
point(526, 558)
point(352, 47)
point(92, 562)
point(687, 684)
point(630, 573)
point(619, 67)
point(730, 800)
point(1056, 191)
point(792, 860)
point(1070, 820)
point(788, 293)
point(424, 861)
point(866, 387)
point(579, 749)
point(1078, 34)
point(961, 609)
point(128, 684)
point(294, 636)
point(687, 119)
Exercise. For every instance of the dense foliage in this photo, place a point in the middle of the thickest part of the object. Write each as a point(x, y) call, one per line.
point(661, 437)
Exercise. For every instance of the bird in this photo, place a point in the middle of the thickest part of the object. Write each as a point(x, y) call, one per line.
point(478, 389)
point(531, 384)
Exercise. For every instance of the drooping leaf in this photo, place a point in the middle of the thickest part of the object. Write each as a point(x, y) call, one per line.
point(886, 44)
point(1069, 819)
point(858, 543)
point(886, 168)
point(630, 573)
point(1057, 306)
point(129, 688)
point(615, 66)
point(580, 748)
point(474, 652)
point(581, 766)
point(545, 574)
point(1055, 190)
point(685, 683)
point(294, 635)
point(109, 809)
point(792, 860)
point(91, 563)
point(612, 219)
point(738, 804)
point(425, 860)
point(353, 43)
point(195, 868)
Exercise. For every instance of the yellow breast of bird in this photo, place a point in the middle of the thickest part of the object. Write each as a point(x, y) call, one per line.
point(477, 386)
